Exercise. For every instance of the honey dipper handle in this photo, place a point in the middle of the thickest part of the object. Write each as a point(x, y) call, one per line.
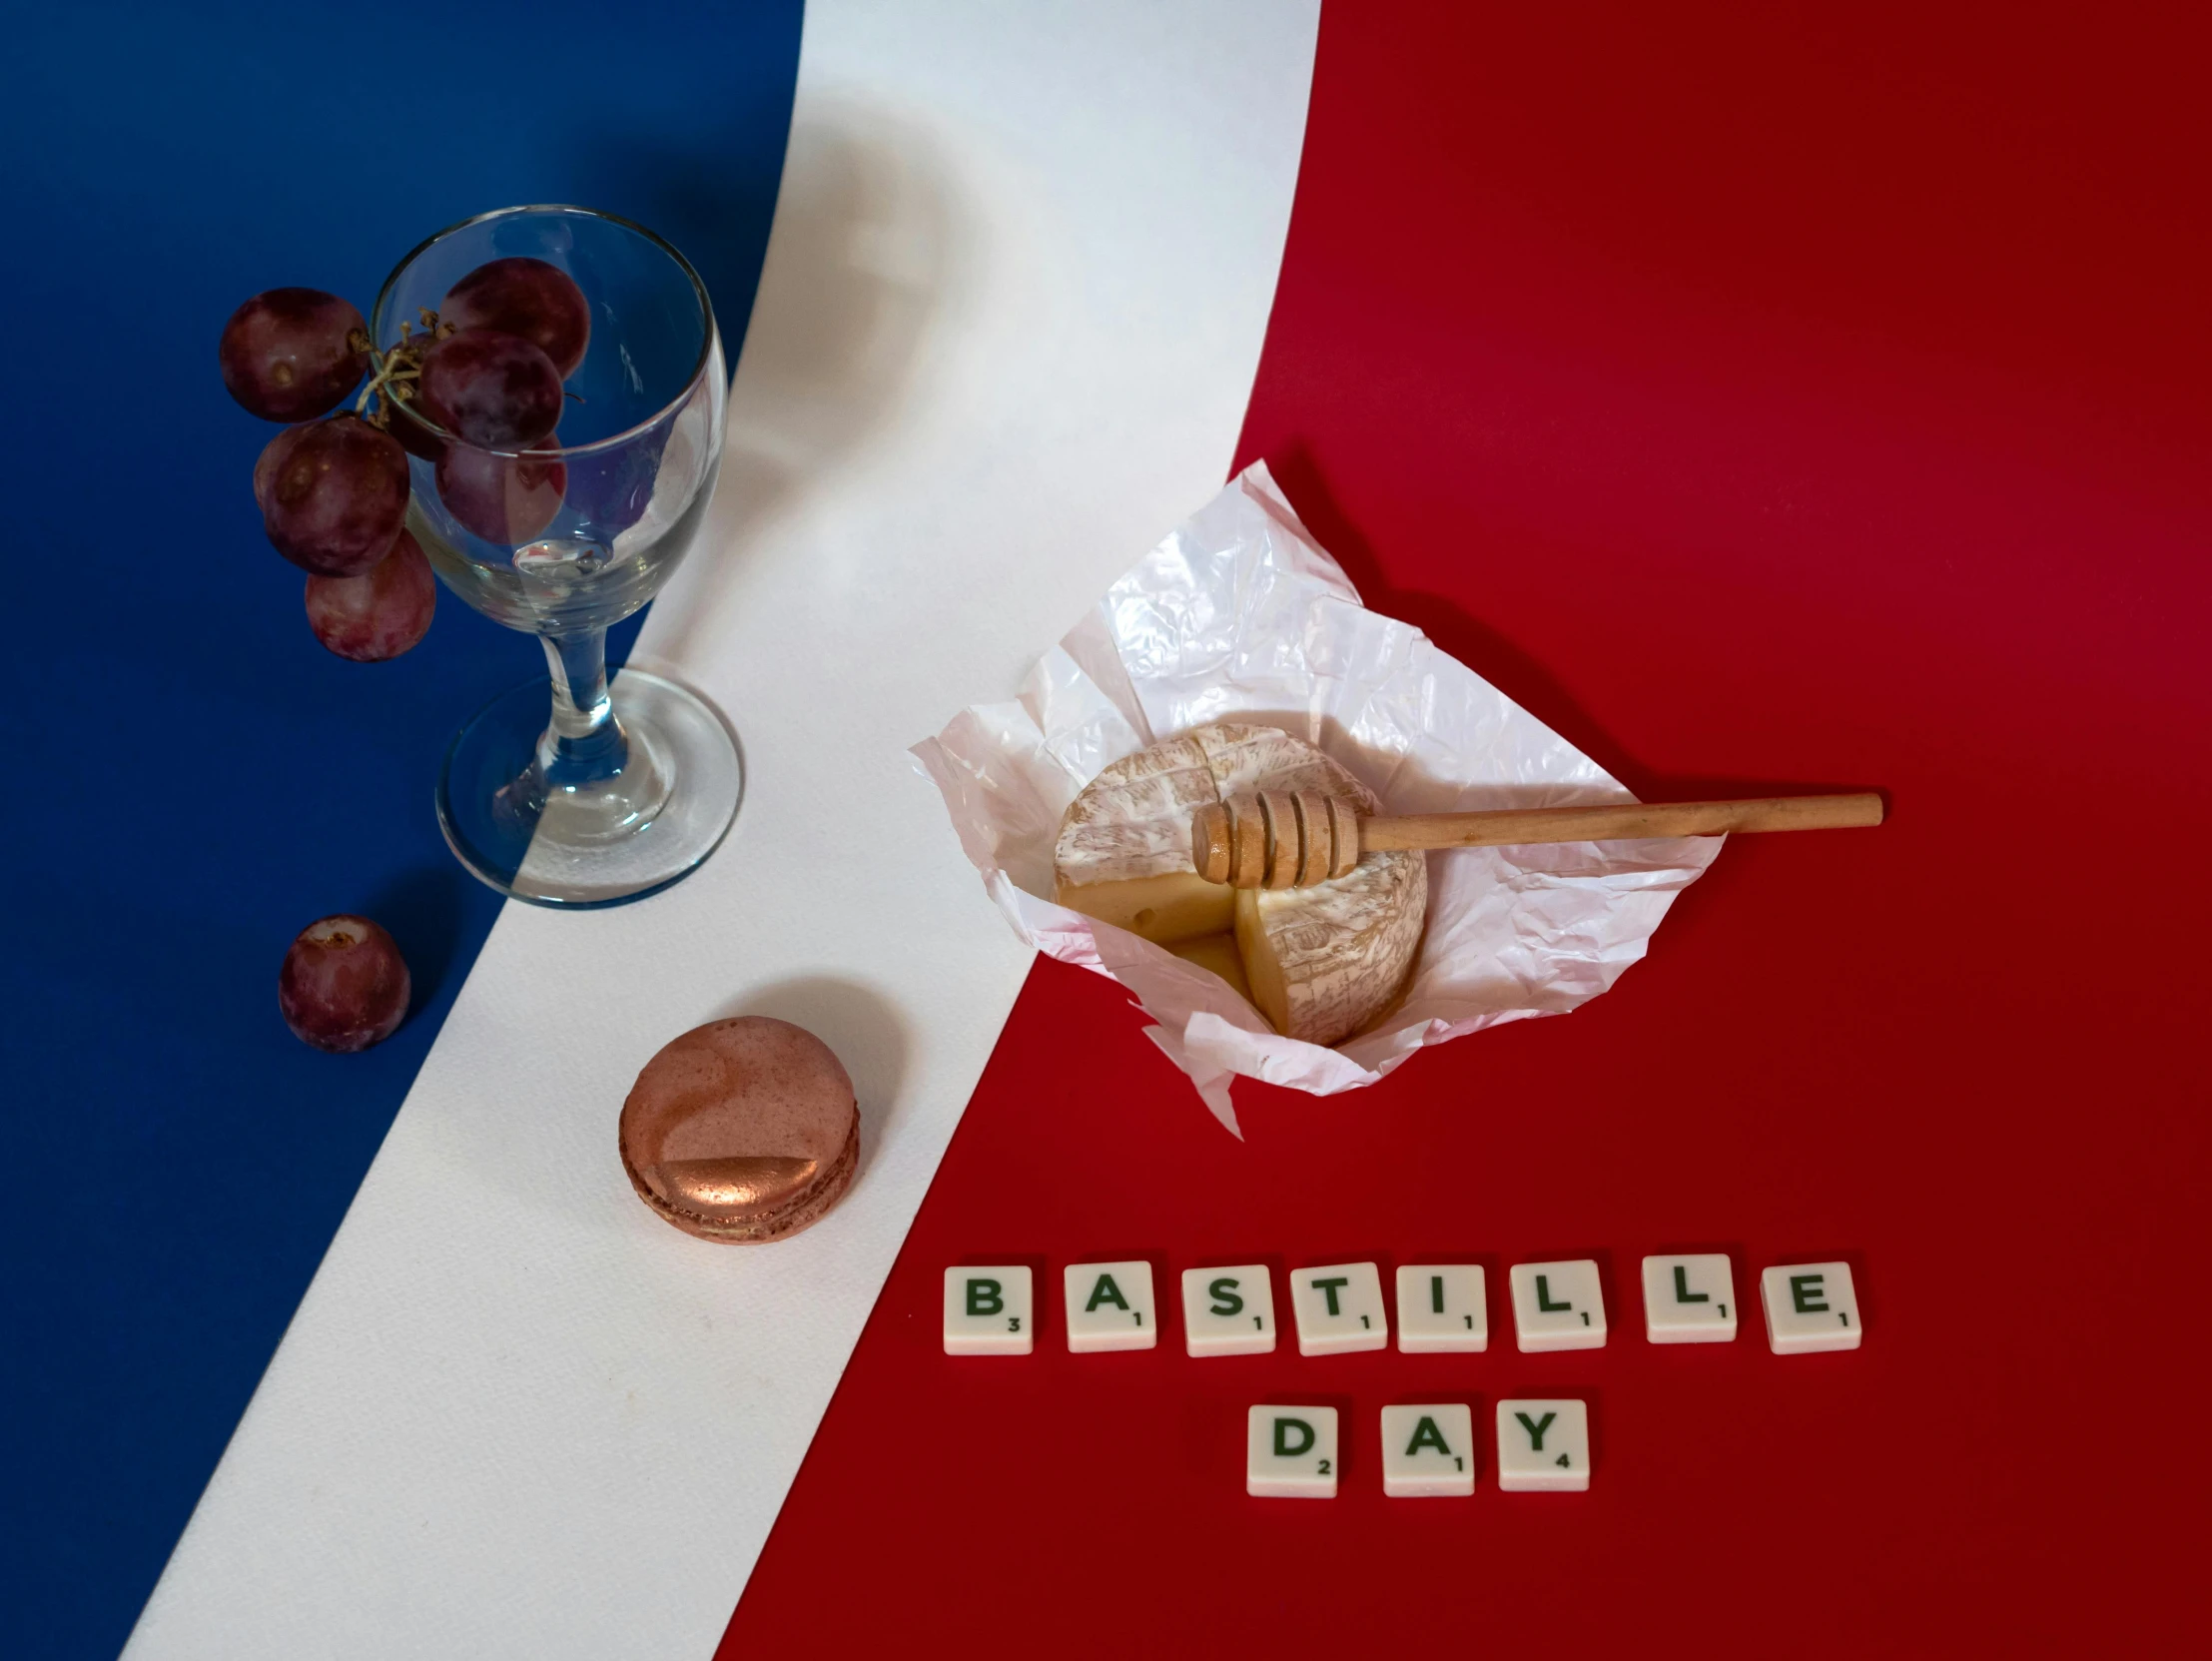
point(1626, 822)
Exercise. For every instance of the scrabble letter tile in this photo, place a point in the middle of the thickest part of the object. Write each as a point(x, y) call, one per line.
point(987, 1310)
point(1689, 1300)
point(1428, 1451)
point(1543, 1447)
point(1558, 1306)
point(1442, 1306)
point(1228, 1312)
point(1339, 1307)
point(1290, 1452)
point(1810, 1307)
point(1110, 1306)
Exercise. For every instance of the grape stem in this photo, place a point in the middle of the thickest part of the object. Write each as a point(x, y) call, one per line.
point(402, 364)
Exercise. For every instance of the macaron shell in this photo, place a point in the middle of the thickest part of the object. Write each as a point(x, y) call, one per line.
point(741, 1130)
point(803, 1212)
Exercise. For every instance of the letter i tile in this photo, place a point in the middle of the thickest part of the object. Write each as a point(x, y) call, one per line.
point(1110, 1306)
point(987, 1310)
point(1290, 1453)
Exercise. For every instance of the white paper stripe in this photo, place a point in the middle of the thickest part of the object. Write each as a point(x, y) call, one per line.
point(1019, 274)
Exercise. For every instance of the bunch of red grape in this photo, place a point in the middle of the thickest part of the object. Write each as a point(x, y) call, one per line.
point(474, 393)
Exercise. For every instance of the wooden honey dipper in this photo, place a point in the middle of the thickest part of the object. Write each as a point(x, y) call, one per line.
point(1284, 839)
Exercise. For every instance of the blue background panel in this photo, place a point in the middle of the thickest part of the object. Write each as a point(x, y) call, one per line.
point(195, 778)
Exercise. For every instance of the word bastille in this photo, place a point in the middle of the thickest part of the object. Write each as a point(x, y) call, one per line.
point(990, 1309)
point(1427, 1448)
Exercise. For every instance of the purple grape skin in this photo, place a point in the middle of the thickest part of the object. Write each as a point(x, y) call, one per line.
point(333, 495)
point(380, 613)
point(502, 499)
point(530, 298)
point(344, 985)
point(495, 391)
point(414, 435)
point(285, 354)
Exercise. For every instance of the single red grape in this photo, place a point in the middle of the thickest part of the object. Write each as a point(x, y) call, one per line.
point(289, 355)
point(413, 435)
point(333, 493)
point(524, 297)
point(344, 985)
point(497, 392)
point(502, 499)
point(380, 613)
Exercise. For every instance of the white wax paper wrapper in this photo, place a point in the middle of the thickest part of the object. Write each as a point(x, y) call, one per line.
point(1239, 617)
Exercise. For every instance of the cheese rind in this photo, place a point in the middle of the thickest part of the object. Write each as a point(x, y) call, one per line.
point(1319, 962)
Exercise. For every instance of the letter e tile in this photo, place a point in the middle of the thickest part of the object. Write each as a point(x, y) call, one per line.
point(1810, 1307)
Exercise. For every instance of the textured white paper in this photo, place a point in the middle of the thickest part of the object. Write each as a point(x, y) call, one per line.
point(1019, 274)
point(1239, 617)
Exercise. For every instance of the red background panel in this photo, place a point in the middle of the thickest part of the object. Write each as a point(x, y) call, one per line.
point(1766, 397)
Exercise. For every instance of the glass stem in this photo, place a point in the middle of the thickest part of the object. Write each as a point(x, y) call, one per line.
point(585, 742)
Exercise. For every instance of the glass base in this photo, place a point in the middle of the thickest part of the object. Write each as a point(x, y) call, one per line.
point(600, 843)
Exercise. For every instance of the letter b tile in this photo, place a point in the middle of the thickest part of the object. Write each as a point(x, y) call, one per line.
point(987, 1310)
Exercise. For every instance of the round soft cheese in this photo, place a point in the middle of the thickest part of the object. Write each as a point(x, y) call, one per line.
point(1319, 963)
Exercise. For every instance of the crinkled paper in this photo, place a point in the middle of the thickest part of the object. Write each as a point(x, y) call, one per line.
point(1238, 616)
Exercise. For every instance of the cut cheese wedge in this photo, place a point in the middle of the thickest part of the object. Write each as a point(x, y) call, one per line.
point(1319, 963)
point(1216, 952)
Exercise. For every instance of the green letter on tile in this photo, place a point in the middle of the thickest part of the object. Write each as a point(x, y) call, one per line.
point(1283, 1427)
point(1804, 1295)
point(1425, 1434)
point(1224, 1296)
point(1683, 1293)
point(1106, 1292)
point(1544, 1296)
point(1535, 1429)
point(1327, 1288)
point(984, 1299)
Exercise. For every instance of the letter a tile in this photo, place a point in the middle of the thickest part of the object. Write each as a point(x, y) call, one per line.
point(1110, 1306)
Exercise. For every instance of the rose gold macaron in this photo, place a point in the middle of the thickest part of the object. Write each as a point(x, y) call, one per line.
point(742, 1130)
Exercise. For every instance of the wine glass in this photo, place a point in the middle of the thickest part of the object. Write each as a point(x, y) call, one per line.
point(613, 795)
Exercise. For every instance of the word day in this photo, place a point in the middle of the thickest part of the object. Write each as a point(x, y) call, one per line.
point(990, 1309)
point(1428, 1450)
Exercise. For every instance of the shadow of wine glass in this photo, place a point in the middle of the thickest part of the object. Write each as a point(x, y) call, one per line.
point(864, 238)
